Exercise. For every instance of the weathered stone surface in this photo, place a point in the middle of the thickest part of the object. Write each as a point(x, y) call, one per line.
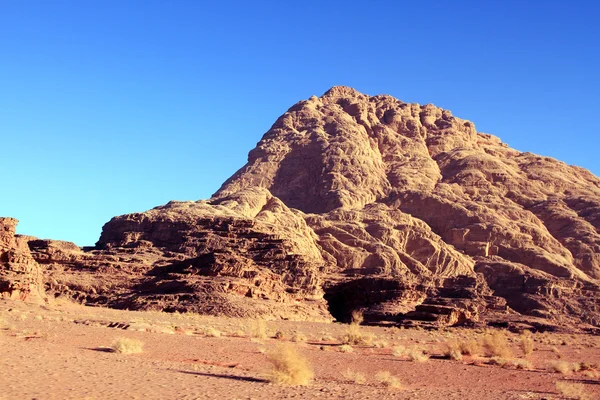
point(351, 201)
point(20, 274)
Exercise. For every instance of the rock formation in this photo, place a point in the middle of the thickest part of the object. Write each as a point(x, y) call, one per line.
point(20, 274)
point(358, 202)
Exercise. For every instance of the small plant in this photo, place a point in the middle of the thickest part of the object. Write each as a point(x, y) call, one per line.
point(496, 345)
point(346, 348)
point(469, 347)
point(526, 343)
point(258, 329)
point(388, 380)
point(279, 335)
point(355, 377)
point(299, 337)
point(127, 346)
point(289, 367)
point(357, 317)
point(356, 336)
point(211, 332)
point(452, 351)
point(574, 391)
point(563, 367)
point(412, 353)
point(556, 351)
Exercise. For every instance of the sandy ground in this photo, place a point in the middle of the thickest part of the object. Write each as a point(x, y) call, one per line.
point(63, 352)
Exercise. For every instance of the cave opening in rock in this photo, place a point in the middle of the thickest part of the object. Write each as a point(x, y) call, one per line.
point(363, 294)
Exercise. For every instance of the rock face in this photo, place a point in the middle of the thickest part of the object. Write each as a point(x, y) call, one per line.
point(20, 274)
point(358, 202)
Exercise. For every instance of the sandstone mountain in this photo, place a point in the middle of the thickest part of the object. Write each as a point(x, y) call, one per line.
point(356, 202)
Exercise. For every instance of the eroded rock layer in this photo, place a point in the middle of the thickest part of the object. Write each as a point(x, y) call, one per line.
point(20, 274)
point(358, 202)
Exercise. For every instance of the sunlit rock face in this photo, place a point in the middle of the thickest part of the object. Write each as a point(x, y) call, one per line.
point(364, 202)
point(20, 274)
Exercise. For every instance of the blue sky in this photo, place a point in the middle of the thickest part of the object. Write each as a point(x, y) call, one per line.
point(114, 106)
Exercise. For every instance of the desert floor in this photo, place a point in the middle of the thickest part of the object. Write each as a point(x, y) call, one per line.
point(63, 351)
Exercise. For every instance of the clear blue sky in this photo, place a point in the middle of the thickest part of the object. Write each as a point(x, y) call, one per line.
point(114, 106)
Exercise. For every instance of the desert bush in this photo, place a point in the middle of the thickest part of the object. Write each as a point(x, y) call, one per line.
point(571, 390)
point(299, 337)
point(526, 343)
point(279, 335)
point(452, 350)
point(356, 336)
point(355, 377)
point(563, 367)
point(211, 332)
point(496, 345)
point(411, 353)
point(520, 363)
point(388, 380)
point(288, 367)
point(346, 348)
point(127, 346)
point(469, 347)
point(357, 317)
point(257, 329)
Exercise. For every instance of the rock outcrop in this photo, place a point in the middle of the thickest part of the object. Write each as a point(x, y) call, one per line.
point(20, 274)
point(351, 201)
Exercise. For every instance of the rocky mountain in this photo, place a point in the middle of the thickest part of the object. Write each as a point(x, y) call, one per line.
point(363, 202)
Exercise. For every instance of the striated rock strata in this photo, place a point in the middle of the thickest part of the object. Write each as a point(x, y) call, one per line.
point(358, 202)
point(20, 274)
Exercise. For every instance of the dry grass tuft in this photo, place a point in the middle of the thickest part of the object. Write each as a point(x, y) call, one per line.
point(279, 335)
point(563, 367)
point(355, 377)
point(257, 329)
point(470, 347)
point(357, 317)
point(346, 348)
point(299, 337)
point(526, 343)
point(520, 363)
point(127, 346)
point(452, 350)
point(356, 336)
point(571, 390)
point(496, 345)
point(388, 380)
point(411, 353)
point(289, 367)
point(211, 332)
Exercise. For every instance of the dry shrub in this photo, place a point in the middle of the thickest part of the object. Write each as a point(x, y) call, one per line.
point(563, 367)
point(127, 346)
point(299, 337)
point(571, 390)
point(452, 350)
point(257, 328)
point(211, 332)
point(496, 345)
point(355, 377)
point(412, 353)
point(381, 343)
point(470, 347)
point(556, 351)
point(520, 363)
point(357, 317)
point(526, 343)
point(289, 367)
point(388, 380)
point(356, 336)
point(346, 348)
point(279, 335)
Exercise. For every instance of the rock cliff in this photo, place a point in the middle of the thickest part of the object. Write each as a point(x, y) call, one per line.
point(350, 202)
